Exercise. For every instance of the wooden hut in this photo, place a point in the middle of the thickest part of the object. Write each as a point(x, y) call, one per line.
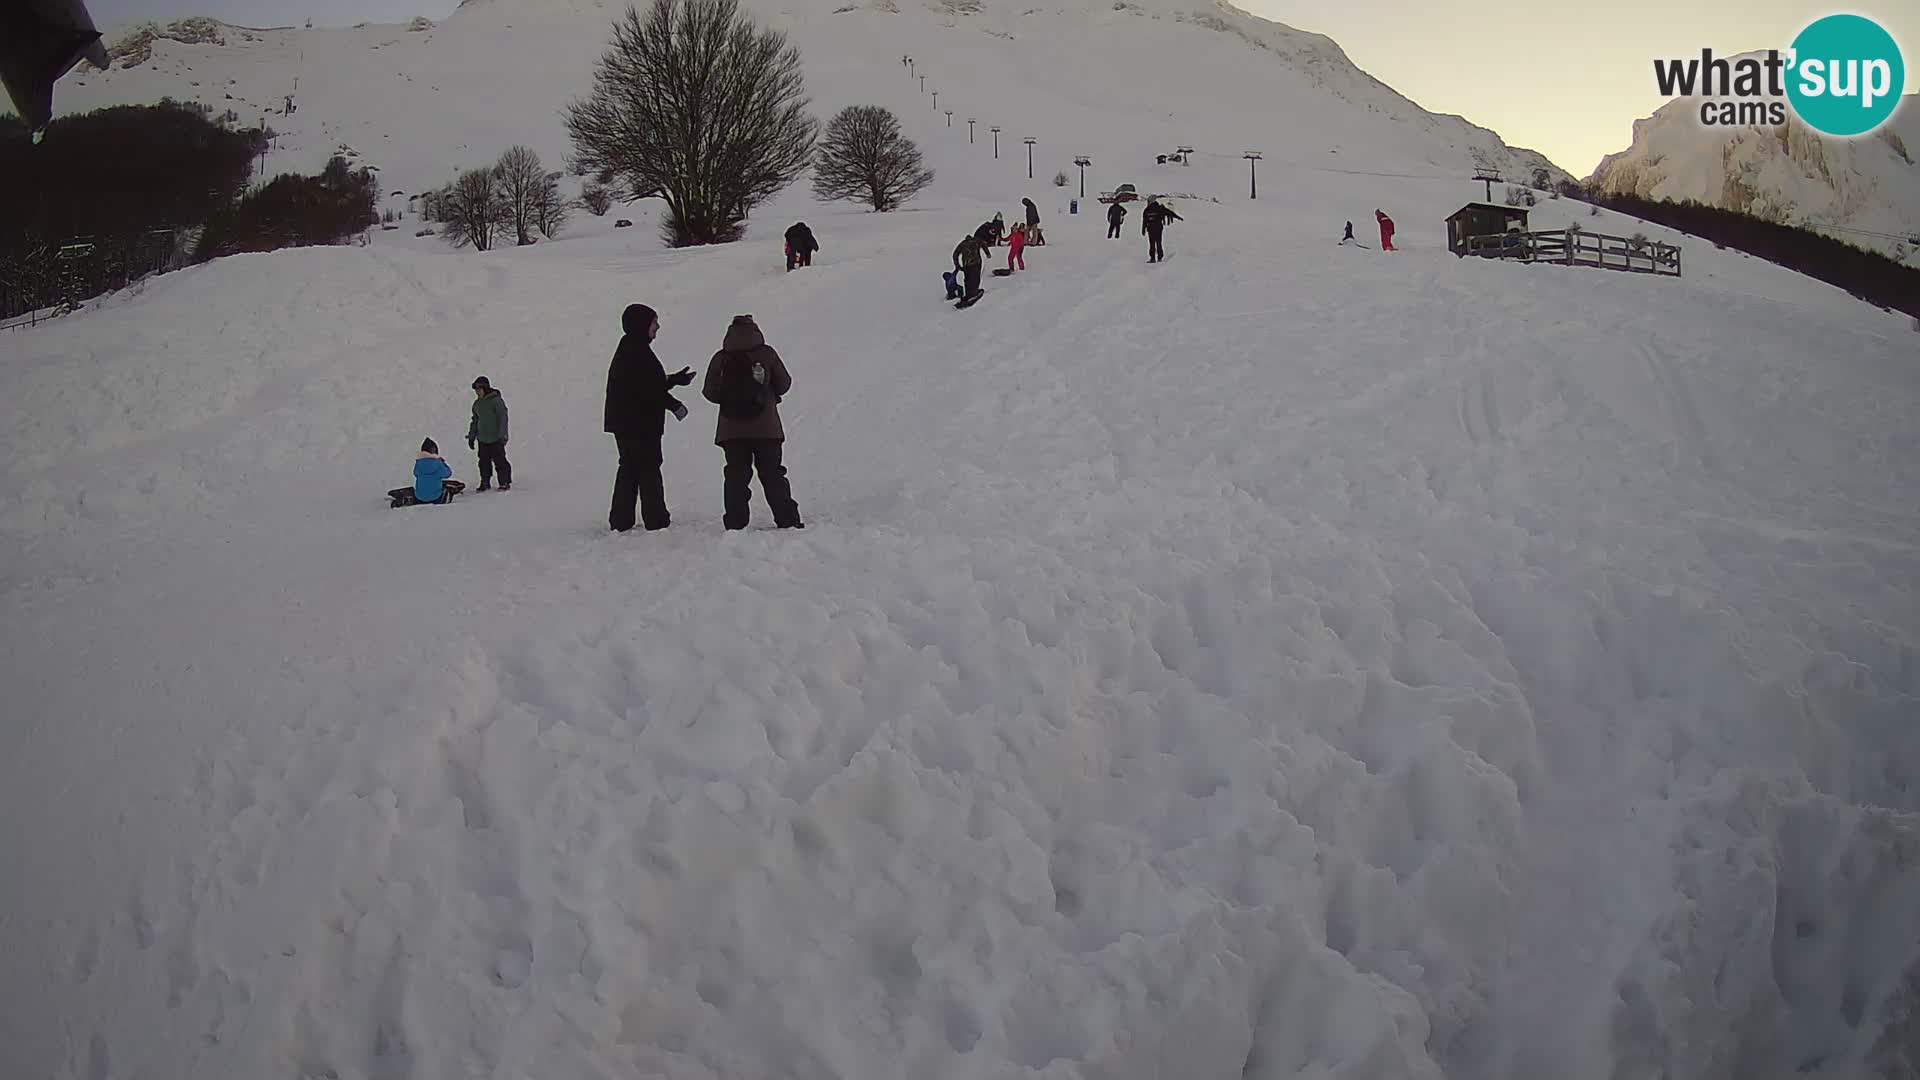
point(1482, 219)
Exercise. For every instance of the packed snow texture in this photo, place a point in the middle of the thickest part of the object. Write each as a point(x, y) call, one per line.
point(1289, 660)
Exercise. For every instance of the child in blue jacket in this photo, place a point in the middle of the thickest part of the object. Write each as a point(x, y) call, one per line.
point(432, 479)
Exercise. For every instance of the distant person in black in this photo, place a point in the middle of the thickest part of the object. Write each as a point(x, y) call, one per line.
point(1115, 215)
point(800, 245)
point(1152, 220)
point(1033, 224)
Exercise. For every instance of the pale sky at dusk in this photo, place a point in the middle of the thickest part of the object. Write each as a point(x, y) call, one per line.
point(1568, 83)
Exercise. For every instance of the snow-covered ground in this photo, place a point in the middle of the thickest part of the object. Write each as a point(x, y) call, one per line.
point(1285, 661)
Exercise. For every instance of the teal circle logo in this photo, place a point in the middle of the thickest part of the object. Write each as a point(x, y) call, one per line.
point(1846, 75)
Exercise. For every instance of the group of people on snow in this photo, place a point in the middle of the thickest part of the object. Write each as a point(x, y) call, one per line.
point(1386, 231)
point(486, 434)
point(746, 378)
point(970, 255)
point(1153, 222)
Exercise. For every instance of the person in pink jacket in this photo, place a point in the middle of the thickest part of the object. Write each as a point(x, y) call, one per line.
point(1016, 243)
point(1386, 230)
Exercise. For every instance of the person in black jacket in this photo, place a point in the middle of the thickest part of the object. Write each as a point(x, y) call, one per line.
point(1034, 238)
point(638, 401)
point(1116, 214)
point(800, 245)
point(1152, 220)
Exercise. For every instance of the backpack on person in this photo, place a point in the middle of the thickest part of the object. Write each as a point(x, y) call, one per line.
point(742, 397)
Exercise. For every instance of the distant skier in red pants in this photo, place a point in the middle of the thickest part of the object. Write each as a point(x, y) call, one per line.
point(1386, 230)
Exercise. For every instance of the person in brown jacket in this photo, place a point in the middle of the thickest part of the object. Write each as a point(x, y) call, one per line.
point(747, 379)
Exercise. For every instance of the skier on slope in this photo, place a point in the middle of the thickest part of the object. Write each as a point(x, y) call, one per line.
point(800, 245)
point(638, 400)
point(1152, 220)
point(1386, 230)
point(1115, 215)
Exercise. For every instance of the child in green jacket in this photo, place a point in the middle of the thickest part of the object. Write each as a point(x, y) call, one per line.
point(489, 432)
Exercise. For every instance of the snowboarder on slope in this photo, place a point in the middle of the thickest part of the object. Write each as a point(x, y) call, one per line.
point(967, 259)
point(432, 480)
point(489, 430)
point(800, 245)
point(747, 379)
point(1386, 230)
point(1115, 215)
point(638, 401)
point(1152, 220)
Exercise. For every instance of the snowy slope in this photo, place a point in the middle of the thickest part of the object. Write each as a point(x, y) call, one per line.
point(421, 105)
point(1289, 660)
point(1865, 191)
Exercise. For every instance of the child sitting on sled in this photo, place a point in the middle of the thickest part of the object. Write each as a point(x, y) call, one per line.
point(432, 479)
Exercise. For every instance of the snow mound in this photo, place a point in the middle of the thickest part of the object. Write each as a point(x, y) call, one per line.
point(1287, 660)
point(1186, 670)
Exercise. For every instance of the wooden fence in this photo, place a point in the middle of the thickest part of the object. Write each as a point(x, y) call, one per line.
point(1578, 247)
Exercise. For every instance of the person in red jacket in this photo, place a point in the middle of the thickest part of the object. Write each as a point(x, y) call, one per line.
point(1016, 243)
point(1386, 230)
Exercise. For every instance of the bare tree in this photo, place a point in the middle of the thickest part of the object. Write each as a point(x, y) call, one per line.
point(550, 211)
point(473, 211)
point(695, 103)
point(532, 197)
point(596, 198)
point(865, 158)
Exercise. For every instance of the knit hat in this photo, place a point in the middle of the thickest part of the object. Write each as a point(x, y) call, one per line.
point(428, 446)
point(481, 383)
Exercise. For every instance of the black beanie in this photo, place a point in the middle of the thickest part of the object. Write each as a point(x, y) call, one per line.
point(428, 446)
point(637, 318)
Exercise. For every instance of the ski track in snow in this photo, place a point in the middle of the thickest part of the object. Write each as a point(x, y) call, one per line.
point(1243, 667)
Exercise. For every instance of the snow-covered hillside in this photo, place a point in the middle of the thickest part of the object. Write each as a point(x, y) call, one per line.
point(422, 104)
point(1865, 191)
point(1289, 660)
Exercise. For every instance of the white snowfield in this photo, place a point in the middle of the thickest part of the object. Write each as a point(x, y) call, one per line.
point(1290, 660)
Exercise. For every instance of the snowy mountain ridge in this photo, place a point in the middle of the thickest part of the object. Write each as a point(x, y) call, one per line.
point(1865, 191)
point(1302, 95)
